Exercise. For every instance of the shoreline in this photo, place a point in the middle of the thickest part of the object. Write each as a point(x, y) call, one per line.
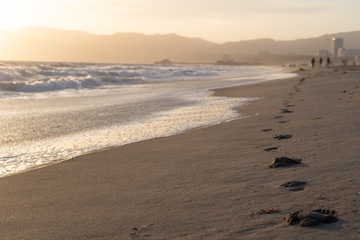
point(41, 153)
point(113, 116)
point(208, 182)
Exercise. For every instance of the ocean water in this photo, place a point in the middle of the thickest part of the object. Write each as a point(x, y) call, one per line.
point(51, 112)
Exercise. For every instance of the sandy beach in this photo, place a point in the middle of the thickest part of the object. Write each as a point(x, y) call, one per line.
point(209, 183)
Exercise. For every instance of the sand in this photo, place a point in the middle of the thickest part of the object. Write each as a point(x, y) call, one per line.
point(209, 183)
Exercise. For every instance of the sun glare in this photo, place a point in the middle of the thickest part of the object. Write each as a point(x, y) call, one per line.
point(18, 13)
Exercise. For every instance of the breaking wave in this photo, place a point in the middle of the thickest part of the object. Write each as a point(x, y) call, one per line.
point(40, 77)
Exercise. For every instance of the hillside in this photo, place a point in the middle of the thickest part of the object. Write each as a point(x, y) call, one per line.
point(310, 46)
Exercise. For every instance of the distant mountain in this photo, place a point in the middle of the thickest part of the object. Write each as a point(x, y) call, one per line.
point(309, 46)
point(49, 44)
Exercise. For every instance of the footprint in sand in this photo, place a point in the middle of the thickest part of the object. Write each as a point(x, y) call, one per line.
point(301, 81)
point(294, 185)
point(285, 110)
point(289, 105)
point(284, 162)
point(271, 149)
point(135, 231)
point(285, 101)
point(312, 218)
point(282, 137)
point(297, 89)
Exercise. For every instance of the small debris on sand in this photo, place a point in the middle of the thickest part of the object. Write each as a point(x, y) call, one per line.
point(284, 162)
point(266, 211)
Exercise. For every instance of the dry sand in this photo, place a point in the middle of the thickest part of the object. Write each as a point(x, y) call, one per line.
point(209, 183)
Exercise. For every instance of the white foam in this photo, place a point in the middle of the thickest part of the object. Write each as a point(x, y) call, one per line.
point(89, 90)
point(209, 110)
point(36, 77)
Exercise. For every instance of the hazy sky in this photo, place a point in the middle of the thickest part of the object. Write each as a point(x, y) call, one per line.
point(214, 20)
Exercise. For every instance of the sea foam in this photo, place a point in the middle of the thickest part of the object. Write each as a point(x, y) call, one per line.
point(36, 77)
point(54, 112)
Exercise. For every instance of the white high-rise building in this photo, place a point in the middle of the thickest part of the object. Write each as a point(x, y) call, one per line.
point(337, 43)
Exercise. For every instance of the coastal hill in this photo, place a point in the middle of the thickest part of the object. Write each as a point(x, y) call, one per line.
point(50, 44)
point(309, 46)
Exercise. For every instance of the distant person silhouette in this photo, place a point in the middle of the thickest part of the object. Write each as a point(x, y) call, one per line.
point(320, 62)
point(328, 61)
point(313, 62)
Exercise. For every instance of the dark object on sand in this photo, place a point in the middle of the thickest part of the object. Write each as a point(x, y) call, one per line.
point(294, 185)
point(267, 130)
point(271, 149)
point(281, 137)
point(284, 162)
point(313, 218)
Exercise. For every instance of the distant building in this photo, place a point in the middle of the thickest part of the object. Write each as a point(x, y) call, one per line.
point(357, 60)
point(336, 44)
point(324, 53)
point(341, 52)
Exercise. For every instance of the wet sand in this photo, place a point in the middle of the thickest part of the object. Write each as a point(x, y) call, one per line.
point(209, 183)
